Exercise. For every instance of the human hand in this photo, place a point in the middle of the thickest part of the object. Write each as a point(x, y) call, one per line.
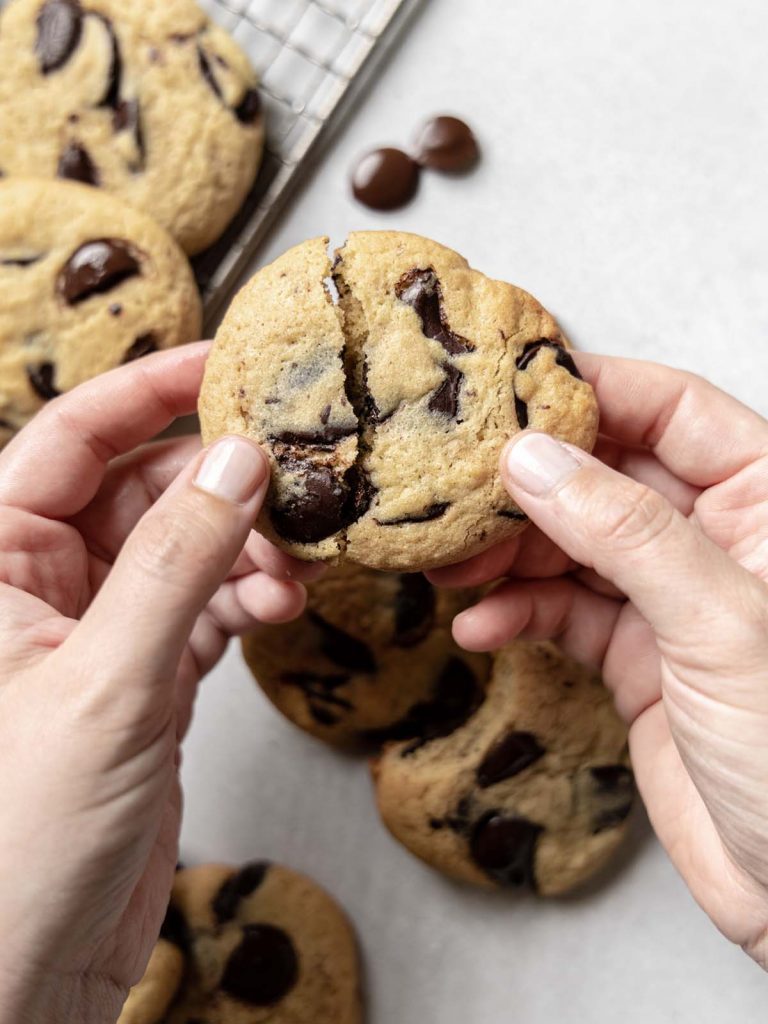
point(652, 564)
point(122, 575)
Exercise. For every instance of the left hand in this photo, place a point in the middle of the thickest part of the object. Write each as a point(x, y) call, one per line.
point(123, 573)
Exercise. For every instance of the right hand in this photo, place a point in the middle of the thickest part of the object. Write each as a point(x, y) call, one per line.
point(651, 562)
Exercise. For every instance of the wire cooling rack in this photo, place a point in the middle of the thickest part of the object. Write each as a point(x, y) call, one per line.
point(314, 58)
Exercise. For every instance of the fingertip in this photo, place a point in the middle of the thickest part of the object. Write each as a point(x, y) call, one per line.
point(280, 565)
point(271, 601)
point(475, 630)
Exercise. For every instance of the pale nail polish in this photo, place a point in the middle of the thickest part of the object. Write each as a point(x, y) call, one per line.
point(233, 469)
point(537, 463)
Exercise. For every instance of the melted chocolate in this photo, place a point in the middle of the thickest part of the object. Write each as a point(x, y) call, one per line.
point(446, 144)
point(175, 929)
point(445, 399)
point(237, 887)
point(521, 411)
point(127, 117)
point(343, 649)
point(326, 438)
point(20, 261)
point(505, 848)
point(41, 379)
point(509, 755)
point(207, 72)
point(414, 609)
point(111, 97)
point(248, 110)
point(263, 969)
point(143, 346)
point(75, 164)
point(508, 513)
point(421, 290)
point(97, 267)
point(614, 792)
point(59, 28)
point(562, 356)
point(385, 179)
point(434, 511)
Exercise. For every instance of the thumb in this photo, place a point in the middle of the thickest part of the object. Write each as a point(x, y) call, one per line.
point(171, 565)
point(687, 588)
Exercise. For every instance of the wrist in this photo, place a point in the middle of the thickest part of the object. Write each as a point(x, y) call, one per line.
point(52, 998)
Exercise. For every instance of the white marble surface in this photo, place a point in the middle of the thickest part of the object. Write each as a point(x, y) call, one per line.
point(624, 179)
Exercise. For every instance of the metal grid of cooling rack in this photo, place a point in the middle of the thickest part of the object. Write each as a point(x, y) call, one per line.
point(314, 58)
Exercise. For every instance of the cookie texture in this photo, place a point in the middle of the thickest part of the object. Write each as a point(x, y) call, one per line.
point(149, 100)
point(259, 944)
point(87, 284)
point(533, 791)
point(371, 659)
point(385, 414)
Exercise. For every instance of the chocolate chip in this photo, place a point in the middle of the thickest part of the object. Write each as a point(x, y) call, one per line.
point(505, 847)
point(562, 356)
point(318, 509)
point(175, 929)
point(329, 437)
point(421, 290)
point(41, 379)
point(455, 697)
point(20, 261)
point(509, 513)
point(97, 267)
point(263, 969)
point(75, 164)
point(446, 144)
point(59, 27)
point(322, 715)
point(445, 399)
point(414, 609)
point(521, 411)
point(343, 649)
point(509, 755)
point(614, 792)
point(207, 72)
point(385, 179)
point(143, 346)
point(249, 108)
point(111, 97)
point(434, 511)
point(237, 887)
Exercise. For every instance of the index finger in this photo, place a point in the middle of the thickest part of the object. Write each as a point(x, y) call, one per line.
point(696, 430)
point(55, 465)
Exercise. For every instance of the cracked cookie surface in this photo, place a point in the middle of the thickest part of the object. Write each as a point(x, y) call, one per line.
point(87, 284)
point(532, 791)
point(385, 415)
point(256, 945)
point(147, 99)
point(371, 659)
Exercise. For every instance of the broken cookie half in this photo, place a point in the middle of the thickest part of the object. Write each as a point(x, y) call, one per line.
point(384, 413)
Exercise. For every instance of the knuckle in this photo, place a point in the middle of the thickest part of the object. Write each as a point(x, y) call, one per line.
point(175, 548)
point(635, 518)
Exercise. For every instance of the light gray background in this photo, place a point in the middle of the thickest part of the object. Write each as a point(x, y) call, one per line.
point(624, 179)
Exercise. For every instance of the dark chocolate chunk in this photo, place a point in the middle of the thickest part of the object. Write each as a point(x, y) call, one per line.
point(143, 346)
point(509, 755)
point(562, 356)
point(343, 649)
point(446, 144)
point(414, 609)
point(455, 698)
point(207, 72)
point(175, 929)
point(75, 164)
point(421, 290)
point(97, 267)
point(59, 27)
point(236, 887)
point(385, 179)
point(505, 847)
point(432, 512)
point(521, 411)
point(614, 792)
point(322, 715)
point(445, 399)
point(249, 108)
point(263, 969)
point(111, 97)
point(509, 513)
point(318, 511)
point(41, 379)
point(20, 261)
point(326, 438)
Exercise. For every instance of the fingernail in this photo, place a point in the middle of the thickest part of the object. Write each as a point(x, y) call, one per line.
point(537, 463)
point(233, 469)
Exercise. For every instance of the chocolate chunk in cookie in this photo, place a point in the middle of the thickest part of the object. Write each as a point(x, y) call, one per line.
point(97, 267)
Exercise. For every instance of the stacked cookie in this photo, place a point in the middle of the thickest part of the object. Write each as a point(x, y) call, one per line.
point(156, 111)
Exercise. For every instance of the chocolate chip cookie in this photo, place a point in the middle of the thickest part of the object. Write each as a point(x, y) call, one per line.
point(384, 415)
point(533, 791)
point(371, 659)
point(146, 99)
point(258, 944)
point(86, 284)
